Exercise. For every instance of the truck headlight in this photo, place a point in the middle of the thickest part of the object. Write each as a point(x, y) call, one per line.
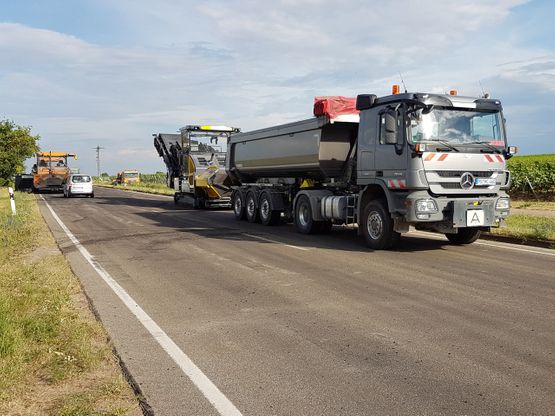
point(502, 204)
point(426, 205)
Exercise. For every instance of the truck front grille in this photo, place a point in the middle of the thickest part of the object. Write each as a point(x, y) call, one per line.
point(458, 173)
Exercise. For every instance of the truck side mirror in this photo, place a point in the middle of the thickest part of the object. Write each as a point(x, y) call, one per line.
point(365, 101)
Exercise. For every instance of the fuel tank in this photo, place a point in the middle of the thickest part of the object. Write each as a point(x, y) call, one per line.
point(316, 148)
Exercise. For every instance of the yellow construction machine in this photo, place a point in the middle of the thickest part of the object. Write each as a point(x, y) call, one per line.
point(126, 177)
point(195, 159)
point(50, 171)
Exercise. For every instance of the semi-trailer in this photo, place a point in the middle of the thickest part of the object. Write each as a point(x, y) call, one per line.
point(433, 161)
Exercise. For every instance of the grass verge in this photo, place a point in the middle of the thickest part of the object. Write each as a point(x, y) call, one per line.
point(149, 188)
point(532, 204)
point(54, 355)
point(524, 227)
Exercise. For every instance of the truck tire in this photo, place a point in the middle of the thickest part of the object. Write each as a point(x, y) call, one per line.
point(303, 217)
point(267, 215)
point(465, 235)
point(238, 204)
point(377, 226)
point(250, 207)
point(176, 198)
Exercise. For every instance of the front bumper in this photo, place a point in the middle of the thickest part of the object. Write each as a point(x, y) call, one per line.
point(457, 212)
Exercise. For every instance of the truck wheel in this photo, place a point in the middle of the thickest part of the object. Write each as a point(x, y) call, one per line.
point(464, 236)
point(303, 216)
point(267, 216)
point(250, 208)
point(377, 226)
point(238, 204)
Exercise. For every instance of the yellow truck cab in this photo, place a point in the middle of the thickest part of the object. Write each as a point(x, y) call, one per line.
point(128, 177)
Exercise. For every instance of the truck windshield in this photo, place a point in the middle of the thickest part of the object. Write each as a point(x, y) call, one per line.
point(208, 144)
point(53, 162)
point(131, 174)
point(458, 127)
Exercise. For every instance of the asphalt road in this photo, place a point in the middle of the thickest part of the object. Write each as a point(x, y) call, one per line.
point(288, 324)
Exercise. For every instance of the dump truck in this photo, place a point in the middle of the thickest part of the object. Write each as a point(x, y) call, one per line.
point(382, 164)
point(195, 160)
point(126, 177)
point(50, 170)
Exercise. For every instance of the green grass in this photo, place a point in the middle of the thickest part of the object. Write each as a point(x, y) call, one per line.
point(150, 188)
point(48, 345)
point(528, 228)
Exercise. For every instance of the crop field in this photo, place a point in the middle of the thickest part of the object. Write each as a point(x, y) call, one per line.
point(533, 176)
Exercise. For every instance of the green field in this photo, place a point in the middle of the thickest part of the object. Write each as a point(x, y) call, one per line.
point(533, 176)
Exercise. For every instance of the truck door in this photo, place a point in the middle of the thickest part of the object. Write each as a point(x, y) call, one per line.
point(390, 155)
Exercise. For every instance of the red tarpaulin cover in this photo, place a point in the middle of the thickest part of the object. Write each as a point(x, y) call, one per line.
point(334, 106)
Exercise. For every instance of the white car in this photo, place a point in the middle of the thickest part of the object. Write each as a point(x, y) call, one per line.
point(78, 184)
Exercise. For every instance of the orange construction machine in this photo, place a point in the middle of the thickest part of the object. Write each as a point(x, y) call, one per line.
point(50, 171)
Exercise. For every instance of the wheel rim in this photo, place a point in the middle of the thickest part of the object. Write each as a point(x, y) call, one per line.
point(304, 215)
point(250, 207)
point(374, 225)
point(238, 206)
point(265, 209)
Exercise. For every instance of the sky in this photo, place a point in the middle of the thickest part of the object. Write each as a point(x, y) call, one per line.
point(87, 73)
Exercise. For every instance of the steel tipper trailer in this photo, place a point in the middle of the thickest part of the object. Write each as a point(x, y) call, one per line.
point(196, 164)
point(436, 162)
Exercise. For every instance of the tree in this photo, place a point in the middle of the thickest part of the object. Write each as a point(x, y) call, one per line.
point(16, 145)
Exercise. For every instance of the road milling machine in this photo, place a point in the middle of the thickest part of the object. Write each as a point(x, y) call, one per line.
point(195, 159)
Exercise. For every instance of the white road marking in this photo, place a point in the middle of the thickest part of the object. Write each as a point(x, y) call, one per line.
point(508, 246)
point(220, 402)
point(275, 241)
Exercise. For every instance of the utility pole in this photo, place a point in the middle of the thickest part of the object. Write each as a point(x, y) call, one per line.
point(97, 148)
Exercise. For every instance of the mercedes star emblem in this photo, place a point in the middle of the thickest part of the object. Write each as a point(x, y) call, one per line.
point(467, 180)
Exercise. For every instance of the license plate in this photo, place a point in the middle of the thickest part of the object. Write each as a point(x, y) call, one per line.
point(485, 181)
point(475, 218)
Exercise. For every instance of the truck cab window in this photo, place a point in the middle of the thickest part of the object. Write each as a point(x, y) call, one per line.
point(390, 123)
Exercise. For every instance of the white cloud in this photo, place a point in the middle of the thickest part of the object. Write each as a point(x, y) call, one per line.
point(251, 64)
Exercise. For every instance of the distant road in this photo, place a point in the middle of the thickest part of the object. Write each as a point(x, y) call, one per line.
point(286, 324)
